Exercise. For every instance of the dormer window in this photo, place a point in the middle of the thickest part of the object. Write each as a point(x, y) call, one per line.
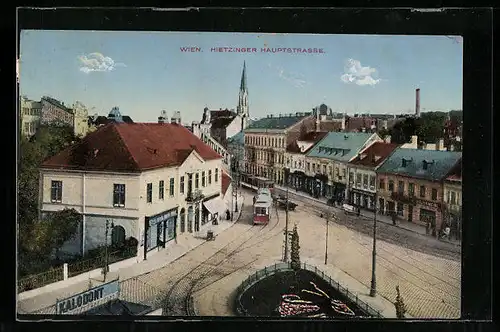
point(403, 162)
point(425, 164)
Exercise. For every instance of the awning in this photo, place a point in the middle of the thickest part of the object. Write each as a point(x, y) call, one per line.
point(215, 205)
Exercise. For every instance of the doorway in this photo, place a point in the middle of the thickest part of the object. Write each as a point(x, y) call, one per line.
point(410, 213)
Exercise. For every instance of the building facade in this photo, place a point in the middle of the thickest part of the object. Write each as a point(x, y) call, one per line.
point(295, 157)
point(410, 185)
point(55, 112)
point(453, 203)
point(326, 162)
point(151, 189)
point(362, 186)
point(30, 113)
point(266, 141)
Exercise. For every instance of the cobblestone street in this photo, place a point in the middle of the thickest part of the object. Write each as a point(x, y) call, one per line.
point(430, 285)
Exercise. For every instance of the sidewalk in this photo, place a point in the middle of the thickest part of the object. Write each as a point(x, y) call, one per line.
point(369, 215)
point(42, 300)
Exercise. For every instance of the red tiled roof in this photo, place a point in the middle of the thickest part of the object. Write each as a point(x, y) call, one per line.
point(132, 147)
point(312, 136)
point(330, 125)
point(226, 180)
point(354, 123)
point(377, 149)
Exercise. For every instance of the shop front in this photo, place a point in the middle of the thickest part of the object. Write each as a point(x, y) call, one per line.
point(338, 191)
point(160, 229)
point(297, 180)
point(362, 199)
point(213, 208)
point(429, 215)
point(320, 185)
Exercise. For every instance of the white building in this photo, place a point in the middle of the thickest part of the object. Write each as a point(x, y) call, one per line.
point(30, 112)
point(362, 177)
point(154, 182)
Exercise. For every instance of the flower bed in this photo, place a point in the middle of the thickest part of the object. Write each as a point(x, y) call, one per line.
point(299, 293)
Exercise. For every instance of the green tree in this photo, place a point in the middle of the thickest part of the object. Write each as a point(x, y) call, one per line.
point(400, 305)
point(36, 240)
point(295, 249)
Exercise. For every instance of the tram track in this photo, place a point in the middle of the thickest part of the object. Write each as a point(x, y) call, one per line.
point(385, 232)
point(389, 255)
point(178, 298)
point(428, 284)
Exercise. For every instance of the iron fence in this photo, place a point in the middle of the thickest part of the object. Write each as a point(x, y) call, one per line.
point(56, 274)
point(269, 270)
point(132, 290)
point(39, 280)
point(97, 262)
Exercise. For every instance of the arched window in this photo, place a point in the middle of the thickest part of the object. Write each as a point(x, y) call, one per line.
point(183, 220)
point(117, 235)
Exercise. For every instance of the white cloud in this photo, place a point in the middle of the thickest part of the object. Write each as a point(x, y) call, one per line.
point(294, 79)
point(355, 73)
point(97, 62)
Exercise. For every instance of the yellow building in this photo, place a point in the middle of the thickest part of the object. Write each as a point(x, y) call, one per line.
point(266, 140)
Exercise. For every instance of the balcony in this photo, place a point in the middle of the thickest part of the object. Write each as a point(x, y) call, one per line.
point(401, 197)
point(194, 196)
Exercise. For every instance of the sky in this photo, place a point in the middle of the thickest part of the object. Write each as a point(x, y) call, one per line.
point(144, 73)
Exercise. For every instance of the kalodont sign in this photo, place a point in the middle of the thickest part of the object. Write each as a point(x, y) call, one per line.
point(88, 299)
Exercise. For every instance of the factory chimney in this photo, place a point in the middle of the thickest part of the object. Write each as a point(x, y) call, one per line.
point(417, 103)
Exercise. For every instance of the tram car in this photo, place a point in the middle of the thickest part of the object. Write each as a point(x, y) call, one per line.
point(262, 208)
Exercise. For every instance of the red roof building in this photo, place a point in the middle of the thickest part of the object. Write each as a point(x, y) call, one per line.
point(374, 155)
point(132, 148)
point(153, 181)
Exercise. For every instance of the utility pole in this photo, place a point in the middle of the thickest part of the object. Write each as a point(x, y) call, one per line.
point(237, 171)
point(286, 227)
point(373, 287)
point(106, 257)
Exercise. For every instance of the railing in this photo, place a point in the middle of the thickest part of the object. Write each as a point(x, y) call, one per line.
point(57, 274)
point(269, 270)
point(41, 279)
point(131, 290)
point(97, 262)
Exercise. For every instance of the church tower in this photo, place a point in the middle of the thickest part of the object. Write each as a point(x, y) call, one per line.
point(242, 108)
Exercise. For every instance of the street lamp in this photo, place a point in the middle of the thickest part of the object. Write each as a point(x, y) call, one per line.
point(373, 286)
point(106, 266)
point(326, 241)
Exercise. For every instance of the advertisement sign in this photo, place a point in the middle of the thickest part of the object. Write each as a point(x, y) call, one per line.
point(162, 217)
point(88, 299)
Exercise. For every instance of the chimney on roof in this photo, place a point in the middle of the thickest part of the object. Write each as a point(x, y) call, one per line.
point(387, 139)
point(163, 117)
point(417, 103)
point(346, 137)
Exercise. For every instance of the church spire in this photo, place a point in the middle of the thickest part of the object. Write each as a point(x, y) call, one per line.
point(242, 108)
point(243, 85)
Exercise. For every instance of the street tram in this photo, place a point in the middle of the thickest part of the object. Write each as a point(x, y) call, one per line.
point(257, 182)
point(262, 205)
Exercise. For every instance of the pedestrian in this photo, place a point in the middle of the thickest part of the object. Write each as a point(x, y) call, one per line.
point(427, 227)
point(394, 218)
point(359, 211)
